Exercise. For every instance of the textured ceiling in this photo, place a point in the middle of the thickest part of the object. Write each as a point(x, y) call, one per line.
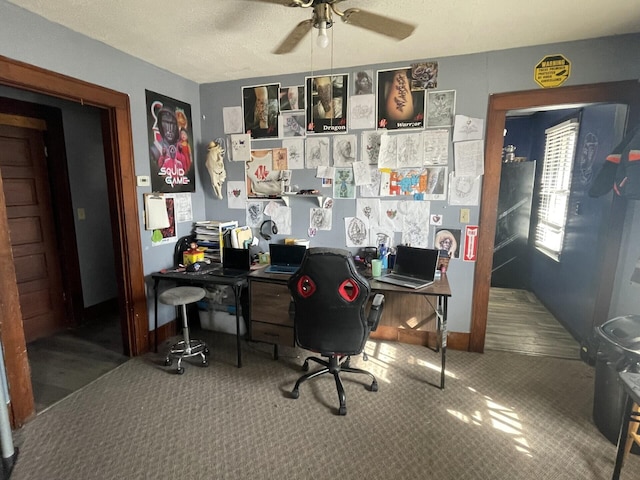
point(218, 40)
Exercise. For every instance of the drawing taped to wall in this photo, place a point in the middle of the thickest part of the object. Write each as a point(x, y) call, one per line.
point(295, 152)
point(356, 232)
point(370, 141)
point(441, 108)
point(344, 184)
point(320, 218)
point(344, 150)
point(317, 152)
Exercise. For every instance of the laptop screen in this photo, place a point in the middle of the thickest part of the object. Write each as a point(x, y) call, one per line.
point(286, 255)
point(236, 258)
point(416, 262)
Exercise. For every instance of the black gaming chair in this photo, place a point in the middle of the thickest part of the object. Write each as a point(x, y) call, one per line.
point(330, 299)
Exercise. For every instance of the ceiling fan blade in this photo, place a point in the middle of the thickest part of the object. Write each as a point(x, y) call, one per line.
point(294, 38)
point(286, 3)
point(378, 23)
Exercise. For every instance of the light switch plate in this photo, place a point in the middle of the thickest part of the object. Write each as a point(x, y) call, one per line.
point(464, 215)
point(143, 180)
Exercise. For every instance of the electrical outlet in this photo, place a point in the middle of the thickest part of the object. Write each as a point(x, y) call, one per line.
point(464, 215)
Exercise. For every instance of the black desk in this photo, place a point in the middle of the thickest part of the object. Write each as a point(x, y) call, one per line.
point(441, 291)
point(201, 278)
point(631, 384)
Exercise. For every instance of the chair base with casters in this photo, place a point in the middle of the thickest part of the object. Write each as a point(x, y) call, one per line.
point(187, 347)
point(335, 364)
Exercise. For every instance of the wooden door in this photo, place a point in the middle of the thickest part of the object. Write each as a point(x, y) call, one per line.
point(25, 179)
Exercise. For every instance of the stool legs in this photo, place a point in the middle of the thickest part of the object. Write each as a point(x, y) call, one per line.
point(186, 347)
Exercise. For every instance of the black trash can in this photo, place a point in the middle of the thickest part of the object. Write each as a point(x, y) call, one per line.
point(618, 351)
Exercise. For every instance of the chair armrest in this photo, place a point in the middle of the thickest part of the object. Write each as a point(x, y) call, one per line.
point(377, 305)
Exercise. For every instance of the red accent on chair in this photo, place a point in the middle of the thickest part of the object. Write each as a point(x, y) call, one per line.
point(306, 286)
point(349, 290)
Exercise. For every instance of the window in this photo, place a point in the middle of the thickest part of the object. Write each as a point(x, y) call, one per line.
point(555, 186)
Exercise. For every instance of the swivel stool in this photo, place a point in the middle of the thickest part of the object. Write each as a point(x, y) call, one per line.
point(187, 347)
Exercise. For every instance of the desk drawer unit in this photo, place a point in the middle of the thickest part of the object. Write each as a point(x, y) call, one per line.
point(270, 321)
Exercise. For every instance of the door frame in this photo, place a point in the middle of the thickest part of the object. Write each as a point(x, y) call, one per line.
point(121, 183)
point(625, 92)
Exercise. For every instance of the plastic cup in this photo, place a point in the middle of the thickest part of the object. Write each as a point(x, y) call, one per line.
point(376, 267)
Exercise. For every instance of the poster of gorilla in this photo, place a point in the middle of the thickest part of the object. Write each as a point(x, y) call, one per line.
point(170, 144)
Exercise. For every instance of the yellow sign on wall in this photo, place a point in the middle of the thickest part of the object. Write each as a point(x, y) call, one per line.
point(552, 71)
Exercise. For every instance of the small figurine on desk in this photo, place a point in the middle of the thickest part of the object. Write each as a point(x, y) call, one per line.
point(215, 166)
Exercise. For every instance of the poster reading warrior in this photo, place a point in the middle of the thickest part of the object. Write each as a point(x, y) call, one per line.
point(170, 144)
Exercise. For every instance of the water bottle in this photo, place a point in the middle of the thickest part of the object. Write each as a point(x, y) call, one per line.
point(384, 256)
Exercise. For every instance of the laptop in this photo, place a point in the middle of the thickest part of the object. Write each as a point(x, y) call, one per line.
point(414, 267)
point(285, 258)
point(235, 262)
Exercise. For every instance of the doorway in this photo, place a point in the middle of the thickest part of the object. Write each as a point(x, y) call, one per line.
point(118, 150)
point(625, 92)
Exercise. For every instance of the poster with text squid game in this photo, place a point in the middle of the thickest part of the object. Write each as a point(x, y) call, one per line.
point(170, 144)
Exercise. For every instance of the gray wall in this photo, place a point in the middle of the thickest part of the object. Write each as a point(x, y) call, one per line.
point(29, 38)
point(475, 78)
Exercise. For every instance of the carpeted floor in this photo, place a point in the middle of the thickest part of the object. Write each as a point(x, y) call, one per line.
point(502, 416)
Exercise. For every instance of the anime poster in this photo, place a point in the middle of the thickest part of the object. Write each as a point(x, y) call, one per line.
point(327, 108)
point(260, 107)
point(170, 144)
point(399, 107)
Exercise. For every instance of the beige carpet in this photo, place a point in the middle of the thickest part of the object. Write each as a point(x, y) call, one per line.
point(501, 416)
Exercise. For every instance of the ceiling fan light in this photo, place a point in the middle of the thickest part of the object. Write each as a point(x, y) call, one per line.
point(323, 39)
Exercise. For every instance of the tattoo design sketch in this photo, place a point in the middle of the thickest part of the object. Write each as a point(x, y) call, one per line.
point(357, 234)
point(436, 147)
point(344, 150)
point(255, 215)
point(320, 218)
point(370, 142)
point(295, 149)
point(441, 107)
point(317, 152)
point(409, 150)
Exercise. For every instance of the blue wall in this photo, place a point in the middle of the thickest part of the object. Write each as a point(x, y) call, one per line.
point(568, 288)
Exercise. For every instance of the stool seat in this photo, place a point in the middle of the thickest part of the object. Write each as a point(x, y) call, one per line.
point(187, 347)
point(182, 295)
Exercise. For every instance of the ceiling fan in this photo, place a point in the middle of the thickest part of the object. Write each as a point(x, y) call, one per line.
point(322, 19)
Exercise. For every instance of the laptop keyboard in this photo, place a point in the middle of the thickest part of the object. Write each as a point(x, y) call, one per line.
point(278, 268)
